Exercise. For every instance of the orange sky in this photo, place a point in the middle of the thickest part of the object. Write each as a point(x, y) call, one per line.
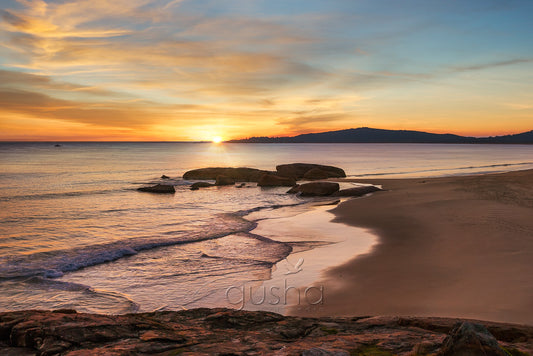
point(183, 70)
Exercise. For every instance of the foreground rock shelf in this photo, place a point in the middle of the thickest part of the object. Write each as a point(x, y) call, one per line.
point(231, 332)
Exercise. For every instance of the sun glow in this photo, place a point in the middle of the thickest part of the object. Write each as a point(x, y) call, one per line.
point(217, 139)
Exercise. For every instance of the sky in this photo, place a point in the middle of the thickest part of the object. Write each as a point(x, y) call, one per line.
point(180, 70)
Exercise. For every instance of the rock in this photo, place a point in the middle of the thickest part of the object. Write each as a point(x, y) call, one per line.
point(356, 191)
point(298, 170)
point(316, 173)
point(165, 177)
point(272, 180)
point(158, 188)
point(242, 185)
point(469, 339)
point(294, 190)
point(224, 180)
point(318, 351)
point(318, 188)
point(220, 331)
point(242, 174)
point(198, 185)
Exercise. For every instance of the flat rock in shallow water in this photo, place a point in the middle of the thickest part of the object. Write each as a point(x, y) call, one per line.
point(242, 174)
point(224, 331)
point(318, 189)
point(198, 185)
point(158, 188)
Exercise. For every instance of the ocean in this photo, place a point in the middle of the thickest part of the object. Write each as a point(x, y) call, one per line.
point(75, 232)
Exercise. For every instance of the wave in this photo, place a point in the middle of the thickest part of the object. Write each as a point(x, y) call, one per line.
point(58, 195)
point(53, 264)
point(441, 169)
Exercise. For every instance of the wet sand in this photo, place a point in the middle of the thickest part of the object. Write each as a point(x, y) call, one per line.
point(453, 247)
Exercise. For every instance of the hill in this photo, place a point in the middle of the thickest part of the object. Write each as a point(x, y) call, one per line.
point(370, 135)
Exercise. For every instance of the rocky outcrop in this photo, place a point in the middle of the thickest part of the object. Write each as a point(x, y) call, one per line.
point(231, 332)
point(198, 185)
point(356, 191)
point(158, 188)
point(315, 189)
point(242, 174)
point(165, 177)
point(224, 180)
point(272, 180)
point(298, 170)
point(468, 339)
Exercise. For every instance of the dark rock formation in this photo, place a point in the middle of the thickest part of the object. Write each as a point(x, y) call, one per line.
point(468, 339)
point(317, 189)
point(158, 188)
point(272, 180)
point(316, 173)
point(238, 174)
point(198, 185)
point(356, 191)
point(165, 177)
point(224, 180)
point(232, 332)
point(298, 170)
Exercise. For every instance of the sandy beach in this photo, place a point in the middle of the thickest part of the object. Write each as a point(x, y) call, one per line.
point(458, 246)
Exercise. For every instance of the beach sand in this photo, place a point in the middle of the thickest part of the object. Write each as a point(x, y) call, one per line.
point(456, 246)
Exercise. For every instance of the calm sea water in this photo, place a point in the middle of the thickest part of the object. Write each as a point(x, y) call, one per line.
point(75, 233)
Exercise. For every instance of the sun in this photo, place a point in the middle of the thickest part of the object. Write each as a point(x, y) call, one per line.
point(217, 139)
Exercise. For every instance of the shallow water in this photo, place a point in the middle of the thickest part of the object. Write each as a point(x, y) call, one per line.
point(74, 232)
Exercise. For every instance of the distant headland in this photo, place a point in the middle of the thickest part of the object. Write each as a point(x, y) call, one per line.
point(371, 135)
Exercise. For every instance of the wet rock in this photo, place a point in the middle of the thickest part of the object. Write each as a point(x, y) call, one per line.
point(198, 185)
point(469, 339)
point(165, 177)
point(158, 188)
point(224, 180)
point(356, 191)
point(318, 189)
point(272, 180)
point(298, 170)
point(242, 174)
point(294, 190)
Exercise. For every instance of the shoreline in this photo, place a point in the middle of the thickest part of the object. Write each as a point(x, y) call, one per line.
point(456, 246)
point(317, 243)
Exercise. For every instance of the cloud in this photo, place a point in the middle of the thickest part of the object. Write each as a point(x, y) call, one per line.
point(491, 65)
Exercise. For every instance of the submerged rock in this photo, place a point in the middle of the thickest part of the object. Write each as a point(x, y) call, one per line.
point(298, 170)
point(356, 191)
point(158, 188)
point(242, 174)
point(198, 185)
point(318, 189)
point(272, 180)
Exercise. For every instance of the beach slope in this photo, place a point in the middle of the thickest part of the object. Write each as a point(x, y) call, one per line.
point(456, 246)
